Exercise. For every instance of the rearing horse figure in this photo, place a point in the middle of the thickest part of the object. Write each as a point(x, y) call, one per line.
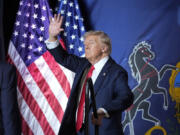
point(148, 79)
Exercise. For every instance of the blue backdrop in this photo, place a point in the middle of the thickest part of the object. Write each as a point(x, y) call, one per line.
point(129, 22)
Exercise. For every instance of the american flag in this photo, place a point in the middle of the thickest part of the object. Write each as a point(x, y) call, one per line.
point(73, 26)
point(43, 85)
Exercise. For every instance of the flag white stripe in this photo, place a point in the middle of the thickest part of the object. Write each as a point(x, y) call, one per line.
point(52, 82)
point(34, 89)
point(69, 74)
point(28, 115)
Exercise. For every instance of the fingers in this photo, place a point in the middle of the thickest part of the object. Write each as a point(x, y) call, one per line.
point(94, 121)
point(60, 20)
point(61, 29)
point(50, 19)
point(55, 17)
point(97, 121)
point(58, 17)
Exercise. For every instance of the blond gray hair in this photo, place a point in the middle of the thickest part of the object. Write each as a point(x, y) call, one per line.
point(104, 38)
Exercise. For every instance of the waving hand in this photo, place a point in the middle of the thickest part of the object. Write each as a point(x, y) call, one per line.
point(55, 27)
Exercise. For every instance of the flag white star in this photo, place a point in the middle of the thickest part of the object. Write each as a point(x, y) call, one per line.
point(21, 3)
point(67, 24)
point(36, 6)
point(82, 28)
point(82, 39)
point(32, 36)
point(65, 1)
point(39, 48)
point(71, 46)
point(30, 47)
point(26, 25)
point(25, 35)
point(71, 4)
point(33, 26)
point(29, 57)
point(76, 17)
point(23, 45)
point(42, 28)
point(40, 38)
point(35, 16)
point(27, 15)
point(19, 13)
point(16, 33)
point(80, 49)
point(75, 27)
point(28, 4)
point(65, 34)
point(62, 11)
point(77, 7)
point(73, 37)
point(44, 8)
point(69, 13)
point(17, 23)
point(43, 18)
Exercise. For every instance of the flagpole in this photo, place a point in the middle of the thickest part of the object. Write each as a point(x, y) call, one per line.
point(89, 87)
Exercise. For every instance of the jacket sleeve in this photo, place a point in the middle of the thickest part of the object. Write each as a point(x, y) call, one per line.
point(9, 106)
point(69, 61)
point(122, 95)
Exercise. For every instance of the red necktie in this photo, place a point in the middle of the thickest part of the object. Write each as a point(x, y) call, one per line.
point(80, 111)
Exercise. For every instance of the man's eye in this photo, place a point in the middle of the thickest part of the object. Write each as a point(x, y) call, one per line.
point(91, 42)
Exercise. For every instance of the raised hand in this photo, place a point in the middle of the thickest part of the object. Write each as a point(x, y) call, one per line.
point(55, 27)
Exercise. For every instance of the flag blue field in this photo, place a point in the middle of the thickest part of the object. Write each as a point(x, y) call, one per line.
point(74, 29)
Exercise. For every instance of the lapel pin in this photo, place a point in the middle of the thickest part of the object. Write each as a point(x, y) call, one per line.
point(104, 74)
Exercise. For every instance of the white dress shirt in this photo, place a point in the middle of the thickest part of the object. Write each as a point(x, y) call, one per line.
point(97, 69)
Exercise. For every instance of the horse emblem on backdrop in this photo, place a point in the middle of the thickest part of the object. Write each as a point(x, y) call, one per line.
point(148, 78)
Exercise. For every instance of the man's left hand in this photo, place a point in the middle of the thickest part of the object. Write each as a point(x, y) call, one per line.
point(98, 121)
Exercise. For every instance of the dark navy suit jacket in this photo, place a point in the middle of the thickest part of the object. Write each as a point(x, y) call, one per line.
point(111, 90)
point(9, 119)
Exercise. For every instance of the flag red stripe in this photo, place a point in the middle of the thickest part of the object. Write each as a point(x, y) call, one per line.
point(25, 128)
point(33, 105)
point(58, 72)
point(44, 87)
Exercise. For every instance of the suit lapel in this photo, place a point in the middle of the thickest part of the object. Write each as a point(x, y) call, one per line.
point(101, 77)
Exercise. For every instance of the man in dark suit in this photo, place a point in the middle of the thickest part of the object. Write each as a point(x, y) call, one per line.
point(9, 114)
point(110, 82)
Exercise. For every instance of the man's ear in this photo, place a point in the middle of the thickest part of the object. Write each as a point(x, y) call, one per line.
point(104, 49)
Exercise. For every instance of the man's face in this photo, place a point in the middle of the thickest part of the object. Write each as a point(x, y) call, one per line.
point(93, 48)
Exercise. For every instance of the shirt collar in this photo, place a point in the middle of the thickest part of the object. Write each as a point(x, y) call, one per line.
point(99, 65)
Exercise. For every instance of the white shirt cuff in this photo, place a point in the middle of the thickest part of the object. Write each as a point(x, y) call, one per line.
point(106, 113)
point(52, 45)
